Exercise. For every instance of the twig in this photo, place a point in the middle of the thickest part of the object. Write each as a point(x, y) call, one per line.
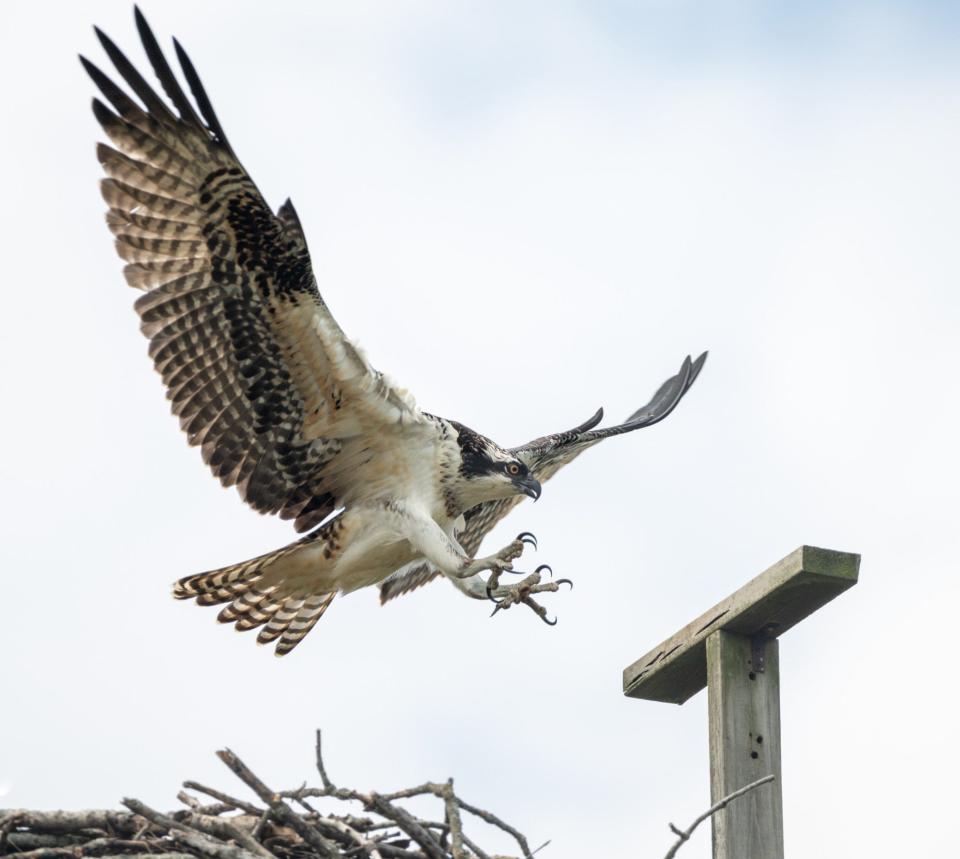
point(190, 802)
point(419, 790)
point(327, 784)
point(7, 823)
point(223, 798)
point(476, 850)
point(492, 819)
point(409, 824)
point(684, 835)
point(453, 819)
point(71, 821)
point(23, 841)
point(227, 829)
point(261, 822)
point(369, 847)
point(81, 851)
point(61, 852)
point(280, 809)
point(190, 836)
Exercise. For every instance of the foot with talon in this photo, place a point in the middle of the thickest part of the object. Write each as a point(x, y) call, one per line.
point(506, 596)
point(502, 561)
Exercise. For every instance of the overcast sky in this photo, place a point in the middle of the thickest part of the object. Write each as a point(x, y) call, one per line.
point(522, 212)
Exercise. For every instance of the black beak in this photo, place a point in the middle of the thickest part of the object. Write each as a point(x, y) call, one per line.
point(530, 486)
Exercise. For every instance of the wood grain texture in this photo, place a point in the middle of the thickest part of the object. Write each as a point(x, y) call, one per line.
point(744, 708)
point(773, 602)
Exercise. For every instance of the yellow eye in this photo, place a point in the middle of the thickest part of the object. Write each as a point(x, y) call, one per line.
point(513, 468)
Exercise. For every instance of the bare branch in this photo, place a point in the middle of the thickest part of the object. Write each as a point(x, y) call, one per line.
point(367, 845)
point(492, 819)
point(327, 784)
point(225, 828)
point(684, 835)
point(71, 821)
point(280, 809)
point(190, 836)
point(223, 798)
point(453, 819)
point(408, 824)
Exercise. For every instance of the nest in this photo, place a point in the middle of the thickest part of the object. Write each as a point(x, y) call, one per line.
point(215, 825)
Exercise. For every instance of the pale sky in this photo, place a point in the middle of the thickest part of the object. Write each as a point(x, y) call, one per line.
point(522, 212)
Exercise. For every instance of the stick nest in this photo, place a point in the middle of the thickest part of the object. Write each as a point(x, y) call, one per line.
point(284, 825)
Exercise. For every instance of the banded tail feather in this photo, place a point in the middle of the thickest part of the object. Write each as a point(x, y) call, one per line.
point(257, 594)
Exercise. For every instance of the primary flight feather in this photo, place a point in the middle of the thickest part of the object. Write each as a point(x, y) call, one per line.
point(282, 405)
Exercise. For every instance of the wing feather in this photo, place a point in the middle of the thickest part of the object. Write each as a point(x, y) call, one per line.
point(136, 224)
point(257, 370)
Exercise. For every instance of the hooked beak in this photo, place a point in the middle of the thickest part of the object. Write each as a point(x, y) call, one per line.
point(530, 486)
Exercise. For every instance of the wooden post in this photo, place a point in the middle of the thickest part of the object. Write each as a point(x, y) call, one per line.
point(732, 649)
point(743, 692)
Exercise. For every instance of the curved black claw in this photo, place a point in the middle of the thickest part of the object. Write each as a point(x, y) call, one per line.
point(512, 572)
point(565, 582)
point(543, 617)
point(496, 608)
point(546, 567)
point(489, 590)
point(528, 538)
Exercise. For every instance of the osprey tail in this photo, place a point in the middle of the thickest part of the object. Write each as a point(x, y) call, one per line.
point(262, 592)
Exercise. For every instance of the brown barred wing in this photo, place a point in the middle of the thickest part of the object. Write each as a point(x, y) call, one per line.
point(259, 373)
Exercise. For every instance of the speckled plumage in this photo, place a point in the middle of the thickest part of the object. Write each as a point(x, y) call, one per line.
point(263, 380)
point(544, 457)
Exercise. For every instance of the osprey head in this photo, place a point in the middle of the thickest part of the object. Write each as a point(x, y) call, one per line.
point(488, 472)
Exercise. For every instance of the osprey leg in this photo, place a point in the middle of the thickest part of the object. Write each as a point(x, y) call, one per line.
point(498, 562)
point(444, 552)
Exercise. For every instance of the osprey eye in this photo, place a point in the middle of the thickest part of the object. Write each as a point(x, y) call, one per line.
point(513, 468)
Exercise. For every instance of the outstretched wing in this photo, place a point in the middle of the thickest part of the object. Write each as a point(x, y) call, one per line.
point(262, 378)
point(545, 457)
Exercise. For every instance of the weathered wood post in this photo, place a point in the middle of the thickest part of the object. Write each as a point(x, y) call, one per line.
point(732, 649)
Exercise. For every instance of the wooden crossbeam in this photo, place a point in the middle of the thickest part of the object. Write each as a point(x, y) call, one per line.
point(732, 650)
point(765, 607)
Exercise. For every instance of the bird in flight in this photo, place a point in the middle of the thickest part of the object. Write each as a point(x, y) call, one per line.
point(280, 402)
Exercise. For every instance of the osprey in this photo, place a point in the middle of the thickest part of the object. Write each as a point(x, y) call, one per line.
point(281, 404)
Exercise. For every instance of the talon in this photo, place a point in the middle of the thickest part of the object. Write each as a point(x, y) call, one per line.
point(565, 582)
point(491, 597)
point(496, 608)
point(546, 567)
point(528, 538)
point(493, 581)
point(539, 610)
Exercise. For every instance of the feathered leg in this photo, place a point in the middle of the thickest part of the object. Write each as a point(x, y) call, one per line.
point(444, 552)
point(448, 556)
